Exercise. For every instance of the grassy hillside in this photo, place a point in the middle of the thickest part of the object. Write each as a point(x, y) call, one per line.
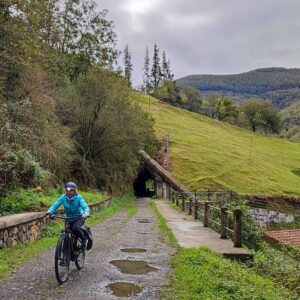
point(208, 154)
point(280, 85)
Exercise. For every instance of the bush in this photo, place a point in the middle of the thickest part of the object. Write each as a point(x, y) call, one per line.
point(23, 200)
point(203, 274)
point(279, 266)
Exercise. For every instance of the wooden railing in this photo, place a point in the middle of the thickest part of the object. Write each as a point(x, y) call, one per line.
point(211, 207)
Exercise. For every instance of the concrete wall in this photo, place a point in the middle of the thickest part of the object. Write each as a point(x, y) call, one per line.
point(27, 227)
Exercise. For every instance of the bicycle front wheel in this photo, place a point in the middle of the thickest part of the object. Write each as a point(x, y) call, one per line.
point(80, 255)
point(62, 259)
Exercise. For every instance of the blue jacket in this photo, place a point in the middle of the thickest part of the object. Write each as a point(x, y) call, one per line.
point(76, 206)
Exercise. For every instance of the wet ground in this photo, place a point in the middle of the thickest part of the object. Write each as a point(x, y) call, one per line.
point(102, 277)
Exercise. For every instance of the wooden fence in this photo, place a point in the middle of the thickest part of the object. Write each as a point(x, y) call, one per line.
point(212, 208)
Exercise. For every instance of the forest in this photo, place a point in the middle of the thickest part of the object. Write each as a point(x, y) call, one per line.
point(280, 85)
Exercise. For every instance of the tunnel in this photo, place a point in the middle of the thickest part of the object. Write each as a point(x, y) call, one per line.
point(143, 185)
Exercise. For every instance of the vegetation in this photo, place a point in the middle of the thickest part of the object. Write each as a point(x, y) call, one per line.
point(202, 274)
point(65, 111)
point(38, 200)
point(156, 74)
point(256, 114)
point(166, 234)
point(261, 115)
point(12, 258)
point(279, 267)
point(290, 118)
point(127, 64)
point(206, 153)
point(280, 85)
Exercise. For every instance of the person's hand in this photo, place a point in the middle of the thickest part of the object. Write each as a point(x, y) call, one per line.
point(85, 216)
point(48, 215)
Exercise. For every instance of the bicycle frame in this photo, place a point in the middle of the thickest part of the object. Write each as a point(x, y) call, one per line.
point(65, 250)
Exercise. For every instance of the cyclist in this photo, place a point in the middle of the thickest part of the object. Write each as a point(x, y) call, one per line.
point(74, 205)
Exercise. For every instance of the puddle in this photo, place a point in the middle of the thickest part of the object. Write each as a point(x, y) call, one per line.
point(133, 250)
point(134, 267)
point(124, 289)
point(143, 221)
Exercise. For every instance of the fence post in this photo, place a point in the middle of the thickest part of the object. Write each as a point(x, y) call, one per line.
point(190, 206)
point(206, 214)
point(183, 203)
point(177, 199)
point(196, 206)
point(237, 228)
point(224, 222)
point(174, 196)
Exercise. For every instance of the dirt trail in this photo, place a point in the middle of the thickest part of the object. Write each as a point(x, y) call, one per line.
point(36, 279)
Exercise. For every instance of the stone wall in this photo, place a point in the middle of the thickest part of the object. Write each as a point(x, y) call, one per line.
point(27, 227)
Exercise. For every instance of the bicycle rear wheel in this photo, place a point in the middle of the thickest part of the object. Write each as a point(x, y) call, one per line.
point(80, 255)
point(62, 259)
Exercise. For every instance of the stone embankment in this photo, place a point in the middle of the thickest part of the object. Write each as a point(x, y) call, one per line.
point(27, 227)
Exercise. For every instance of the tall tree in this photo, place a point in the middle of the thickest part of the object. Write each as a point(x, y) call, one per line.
point(156, 69)
point(146, 75)
point(127, 64)
point(166, 68)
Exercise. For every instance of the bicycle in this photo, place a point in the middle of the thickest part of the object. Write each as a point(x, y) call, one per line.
point(69, 248)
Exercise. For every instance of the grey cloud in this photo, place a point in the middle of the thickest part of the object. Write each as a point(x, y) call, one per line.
point(216, 36)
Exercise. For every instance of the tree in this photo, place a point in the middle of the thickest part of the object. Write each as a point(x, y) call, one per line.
point(146, 75)
point(220, 107)
point(191, 99)
point(109, 131)
point(156, 69)
point(168, 92)
point(127, 64)
point(165, 68)
point(67, 37)
point(261, 115)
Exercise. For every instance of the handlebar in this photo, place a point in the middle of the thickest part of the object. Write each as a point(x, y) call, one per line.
point(78, 217)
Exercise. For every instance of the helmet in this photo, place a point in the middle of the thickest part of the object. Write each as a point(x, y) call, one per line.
point(71, 185)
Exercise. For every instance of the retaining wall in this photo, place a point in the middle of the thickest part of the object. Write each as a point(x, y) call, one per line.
point(27, 227)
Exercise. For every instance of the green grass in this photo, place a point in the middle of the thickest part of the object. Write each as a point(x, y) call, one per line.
point(12, 258)
point(203, 274)
point(132, 211)
point(165, 233)
point(206, 153)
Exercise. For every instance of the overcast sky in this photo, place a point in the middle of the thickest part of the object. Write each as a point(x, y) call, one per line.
point(209, 36)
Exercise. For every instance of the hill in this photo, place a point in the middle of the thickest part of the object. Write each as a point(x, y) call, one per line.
point(280, 85)
point(210, 154)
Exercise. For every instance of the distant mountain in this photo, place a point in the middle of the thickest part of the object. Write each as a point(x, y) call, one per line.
point(280, 85)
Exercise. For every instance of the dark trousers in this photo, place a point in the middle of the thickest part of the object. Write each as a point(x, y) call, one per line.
point(76, 228)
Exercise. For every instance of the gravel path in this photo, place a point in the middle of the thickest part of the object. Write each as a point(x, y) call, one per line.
point(36, 279)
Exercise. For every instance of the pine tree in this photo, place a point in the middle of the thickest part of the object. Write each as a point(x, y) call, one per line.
point(156, 70)
point(146, 75)
point(166, 69)
point(164, 66)
point(127, 64)
point(170, 74)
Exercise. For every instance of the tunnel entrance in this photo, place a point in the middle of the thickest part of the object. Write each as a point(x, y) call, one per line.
point(144, 184)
